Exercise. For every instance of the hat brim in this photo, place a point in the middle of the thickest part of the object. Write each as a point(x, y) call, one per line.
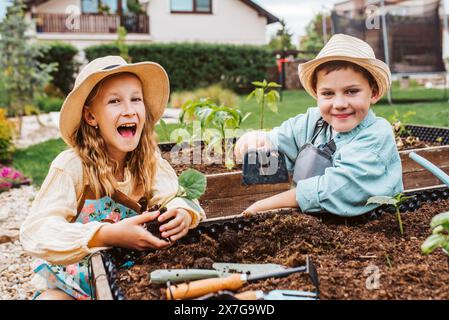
point(155, 88)
point(378, 69)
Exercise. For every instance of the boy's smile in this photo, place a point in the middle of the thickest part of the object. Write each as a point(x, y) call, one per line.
point(344, 98)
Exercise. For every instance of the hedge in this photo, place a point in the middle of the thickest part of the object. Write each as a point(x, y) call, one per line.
point(193, 65)
point(64, 54)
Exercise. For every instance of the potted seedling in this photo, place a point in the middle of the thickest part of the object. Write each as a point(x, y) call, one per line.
point(192, 185)
point(266, 95)
point(440, 234)
point(396, 201)
point(210, 115)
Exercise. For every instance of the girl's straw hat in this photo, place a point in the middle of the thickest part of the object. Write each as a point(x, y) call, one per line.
point(155, 88)
point(347, 48)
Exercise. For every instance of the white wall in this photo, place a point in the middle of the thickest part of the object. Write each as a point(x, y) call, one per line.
point(57, 6)
point(231, 21)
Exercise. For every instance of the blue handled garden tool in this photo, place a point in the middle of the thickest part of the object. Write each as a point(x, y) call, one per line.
point(440, 174)
point(277, 295)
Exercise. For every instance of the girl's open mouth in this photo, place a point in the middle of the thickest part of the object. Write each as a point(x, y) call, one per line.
point(127, 130)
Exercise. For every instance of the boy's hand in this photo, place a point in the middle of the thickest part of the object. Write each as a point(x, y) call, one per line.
point(251, 140)
point(129, 233)
point(177, 227)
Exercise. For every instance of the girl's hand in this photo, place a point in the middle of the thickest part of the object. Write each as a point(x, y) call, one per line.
point(251, 141)
point(129, 233)
point(177, 227)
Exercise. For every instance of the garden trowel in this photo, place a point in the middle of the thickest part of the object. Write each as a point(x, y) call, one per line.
point(219, 270)
point(277, 295)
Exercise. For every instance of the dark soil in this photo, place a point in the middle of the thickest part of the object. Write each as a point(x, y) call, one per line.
point(345, 252)
point(206, 166)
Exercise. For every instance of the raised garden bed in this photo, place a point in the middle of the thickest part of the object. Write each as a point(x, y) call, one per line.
point(357, 258)
point(224, 184)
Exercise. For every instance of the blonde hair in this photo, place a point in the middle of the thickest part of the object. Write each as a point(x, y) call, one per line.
point(100, 169)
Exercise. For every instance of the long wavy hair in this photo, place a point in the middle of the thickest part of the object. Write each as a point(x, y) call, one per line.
point(100, 169)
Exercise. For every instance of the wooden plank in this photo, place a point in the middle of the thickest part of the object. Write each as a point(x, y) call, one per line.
point(421, 179)
point(101, 284)
point(439, 156)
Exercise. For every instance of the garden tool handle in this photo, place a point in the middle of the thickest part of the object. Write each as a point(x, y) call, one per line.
point(249, 295)
point(199, 288)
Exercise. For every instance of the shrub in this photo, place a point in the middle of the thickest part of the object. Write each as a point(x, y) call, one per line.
point(6, 137)
point(64, 55)
point(214, 93)
point(49, 104)
point(194, 65)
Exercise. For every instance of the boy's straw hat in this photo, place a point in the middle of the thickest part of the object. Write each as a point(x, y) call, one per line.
point(347, 48)
point(155, 88)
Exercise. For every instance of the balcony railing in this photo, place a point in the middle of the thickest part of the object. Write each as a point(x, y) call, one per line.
point(91, 23)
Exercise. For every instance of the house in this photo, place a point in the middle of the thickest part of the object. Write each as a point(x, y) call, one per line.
point(88, 22)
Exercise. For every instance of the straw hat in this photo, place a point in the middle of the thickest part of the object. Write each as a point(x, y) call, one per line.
point(155, 88)
point(347, 48)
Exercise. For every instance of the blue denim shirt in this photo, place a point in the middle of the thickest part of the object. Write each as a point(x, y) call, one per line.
point(366, 163)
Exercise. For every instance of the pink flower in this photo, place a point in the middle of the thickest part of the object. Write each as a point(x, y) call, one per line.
point(72, 269)
point(88, 209)
point(16, 175)
point(86, 219)
point(6, 171)
point(114, 216)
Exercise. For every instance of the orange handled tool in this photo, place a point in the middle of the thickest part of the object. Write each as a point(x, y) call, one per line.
point(236, 281)
point(201, 287)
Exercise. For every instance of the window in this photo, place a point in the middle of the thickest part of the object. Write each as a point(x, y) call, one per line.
point(191, 6)
point(102, 6)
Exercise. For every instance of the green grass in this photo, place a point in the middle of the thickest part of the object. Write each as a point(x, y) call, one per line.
point(34, 161)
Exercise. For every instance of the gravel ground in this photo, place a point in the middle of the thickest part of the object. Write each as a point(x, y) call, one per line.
point(15, 271)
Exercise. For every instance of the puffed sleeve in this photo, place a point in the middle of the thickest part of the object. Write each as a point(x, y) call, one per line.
point(47, 232)
point(166, 185)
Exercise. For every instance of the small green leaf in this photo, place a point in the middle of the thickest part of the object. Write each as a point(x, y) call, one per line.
point(257, 84)
point(382, 200)
point(440, 219)
point(193, 182)
point(259, 95)
point(438, 229)
point(251, 95)
point(274, 85)
point(432, 242)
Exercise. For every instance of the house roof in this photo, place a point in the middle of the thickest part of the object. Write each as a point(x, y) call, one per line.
point(261, 11)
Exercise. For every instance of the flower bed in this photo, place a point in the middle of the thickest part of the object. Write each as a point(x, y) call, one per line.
point(358, 258)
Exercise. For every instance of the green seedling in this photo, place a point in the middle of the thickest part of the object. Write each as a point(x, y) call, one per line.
point(396, 201)
point(265, 94)
point(192, 185)
point(440, 234)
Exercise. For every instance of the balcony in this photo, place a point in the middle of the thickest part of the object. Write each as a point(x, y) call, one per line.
point(91, 23)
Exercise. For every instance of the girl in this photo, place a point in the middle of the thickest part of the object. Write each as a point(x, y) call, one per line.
point(90, 198)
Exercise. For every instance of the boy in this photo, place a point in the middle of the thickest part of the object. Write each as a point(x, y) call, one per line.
point(346, 79)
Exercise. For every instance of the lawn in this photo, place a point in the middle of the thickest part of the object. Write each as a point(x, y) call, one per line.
point(34, 161)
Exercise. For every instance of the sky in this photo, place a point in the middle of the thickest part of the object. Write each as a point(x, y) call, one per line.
point(296, 13)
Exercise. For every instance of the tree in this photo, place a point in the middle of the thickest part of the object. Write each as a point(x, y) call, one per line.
point(283, 38)
point(313, 40)
point(24, 77)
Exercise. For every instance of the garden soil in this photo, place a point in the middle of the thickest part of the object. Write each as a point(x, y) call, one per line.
point(354, 259)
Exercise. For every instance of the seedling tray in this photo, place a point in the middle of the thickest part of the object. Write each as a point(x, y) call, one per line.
point(381, 220)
